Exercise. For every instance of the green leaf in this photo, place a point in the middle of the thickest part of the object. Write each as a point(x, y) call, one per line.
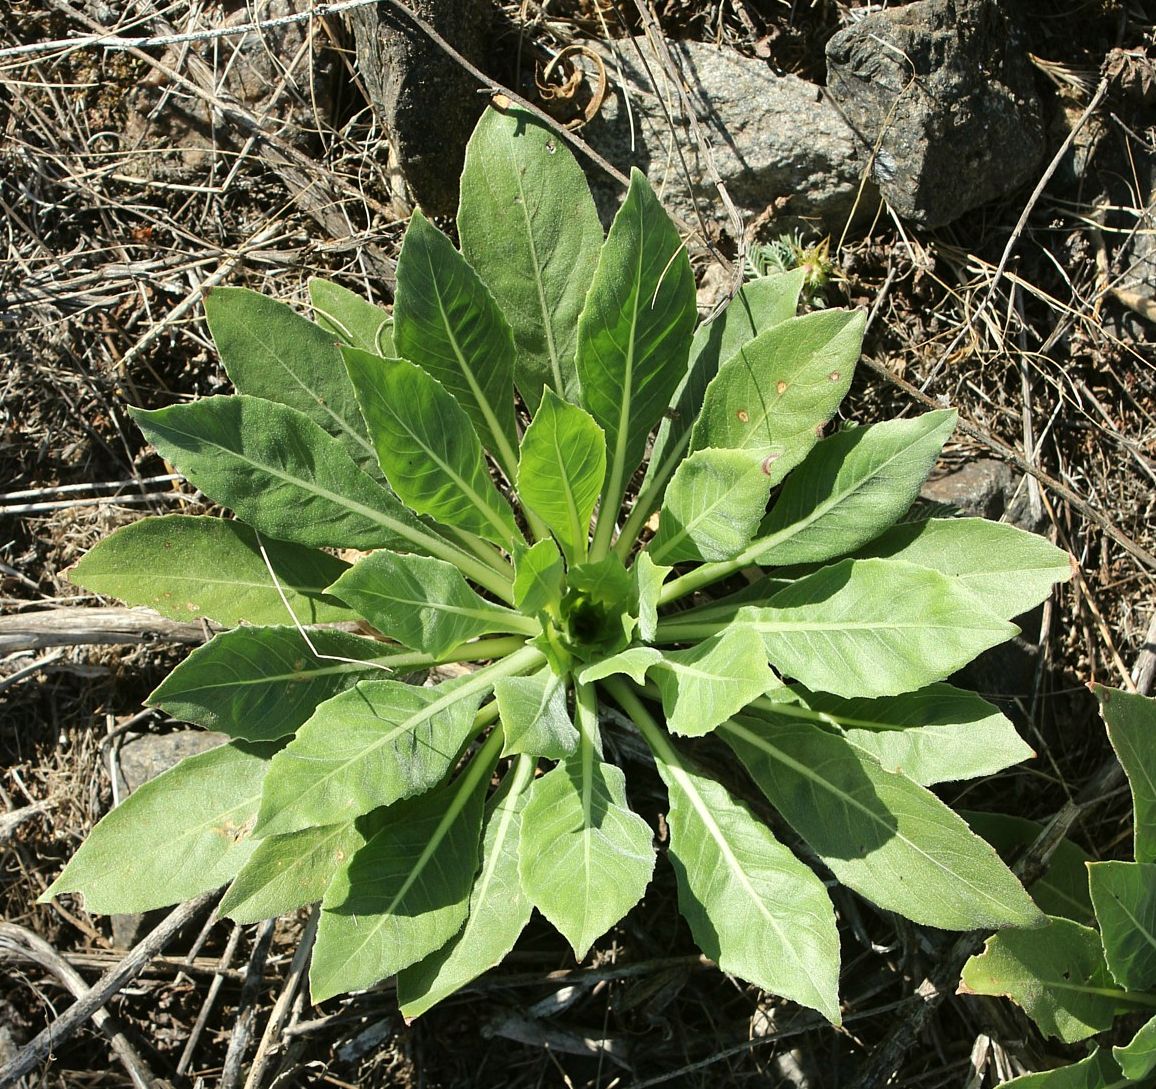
point(529, 227)
point(428, 448)
point(180, 834)
point(268, 350)
point(259, 684)
point(938, 734)
point(711, 681)
point(1009, 570)
point(632, 662)
point(585, 858)
point(405, 893)
point(538, 573)
point(713, 507)
point(599, 608)
point(1097, 1071)
point(1138, 1059)
point(189, 568)
point(753, 907)
point(534, 716)
point(499, 909)
point(633, 336)
point(1131, 723)
point(852, 487)
point(1055, 973)
point(561, 470)
point(370, 746)
point(771, 398)
point(648, 579)
point(1063, 889)
point(758, 306)
point(882, 835)
point(1124, 894)
point(346, 315)
point(287, 872)
point(873, 628)
point(446, 321)
point(278, 470)
point(421, 602)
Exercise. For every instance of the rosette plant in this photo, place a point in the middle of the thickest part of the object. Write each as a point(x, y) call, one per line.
point(399, 507)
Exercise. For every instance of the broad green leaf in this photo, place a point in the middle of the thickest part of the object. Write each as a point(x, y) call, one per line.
point(711, 681)
point(632, 662)
point(421, 602)
point(753, 908)
point(346, 315)
point(370, 746)
point(446, 321)
point(534, 716)
point(758, 305)
point(772, 396)
point(1056, 973)
point(585, 858)
point(873, 628)
point(1098, 1071)
point(404, 894)
point(1131, 723)
point(882, 835)
point(428, 448)
point(599, 608)
point(529, 227)
point(259, 684)
point(538, 573)
point(278, 470)
point(1124, 894)
point(1009, 570)
point(852, 487)
point(180, 834)
point(713, 507)
point(1138, 1058)
point(287, 872)
point(499, 909)
point(561, 470)
point(633, 335)
point(187, 568)
point(648, 579)
point(269, 350)
point(935, 735)
point(1063, 889)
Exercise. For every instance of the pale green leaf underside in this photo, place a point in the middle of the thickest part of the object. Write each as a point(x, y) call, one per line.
point(1131, 723)
point(192, 568)
point(373, 745)
point(180, 834)
point(632, 662)
point(288, 872)
point(529, 226)
point(771, 398)
point(753, 908)
point(851, 488)
point(1097, 1071)
point(713, 507)
point(278, 470)
point(269, 350)
point(586, 859)
point(422, 602)
point(538, 575)
point(648, 579)
point(882, 835)
point(428, 448)
point(1124, 894)
point(446, 321)
point(1138, 1058)
point(1055, 973)
point(353, 320)
point(259, 684)
point(403, 895)
point(1007, 569)
point(534, 716)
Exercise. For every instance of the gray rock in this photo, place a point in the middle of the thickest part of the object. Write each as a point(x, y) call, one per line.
point(777, 142)
point(944, 92)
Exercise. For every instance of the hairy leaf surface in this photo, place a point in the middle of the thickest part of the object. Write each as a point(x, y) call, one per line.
point(353, 320)
point(534, 716)
point(1131, 723)
point(1124, 894)
point(1138, 1058)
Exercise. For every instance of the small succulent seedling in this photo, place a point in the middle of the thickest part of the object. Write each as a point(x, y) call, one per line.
point(1096, 957)
point(783, 605)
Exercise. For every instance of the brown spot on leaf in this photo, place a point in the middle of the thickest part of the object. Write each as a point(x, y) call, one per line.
point(192, 606)
point(768, 461)
point(743, 415)
point(834, 376)
point(780, 387)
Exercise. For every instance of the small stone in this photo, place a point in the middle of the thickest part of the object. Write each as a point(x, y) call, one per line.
point(942, 97)
point(979, 489)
